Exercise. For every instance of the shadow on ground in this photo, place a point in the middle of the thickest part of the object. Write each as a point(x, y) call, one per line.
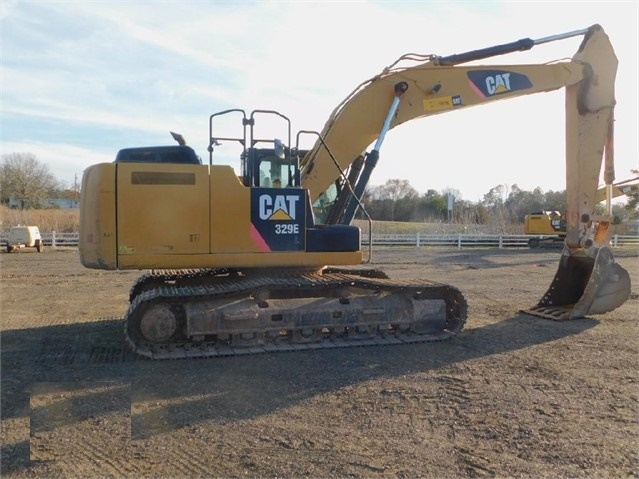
point(82, 361)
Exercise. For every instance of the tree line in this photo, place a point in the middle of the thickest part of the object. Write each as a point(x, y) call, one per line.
point(397, 200)
point(30, 182)
point(24, 178)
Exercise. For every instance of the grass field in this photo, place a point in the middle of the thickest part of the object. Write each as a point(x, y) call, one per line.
point(63, 221)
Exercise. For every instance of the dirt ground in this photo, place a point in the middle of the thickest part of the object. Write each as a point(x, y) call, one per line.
point(512, 396)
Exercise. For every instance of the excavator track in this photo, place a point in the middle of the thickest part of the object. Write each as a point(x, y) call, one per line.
point(213, 313)
point(162, 277)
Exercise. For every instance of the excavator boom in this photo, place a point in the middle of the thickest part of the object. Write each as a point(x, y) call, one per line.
point(432, 87)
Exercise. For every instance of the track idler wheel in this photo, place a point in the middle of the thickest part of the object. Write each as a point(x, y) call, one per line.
point(158, 324)
point(583, 286)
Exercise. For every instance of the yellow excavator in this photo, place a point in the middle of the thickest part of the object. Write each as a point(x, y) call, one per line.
point(548, 227)
point(237, 266)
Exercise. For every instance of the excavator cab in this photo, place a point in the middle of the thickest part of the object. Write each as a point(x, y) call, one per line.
point(261, 167)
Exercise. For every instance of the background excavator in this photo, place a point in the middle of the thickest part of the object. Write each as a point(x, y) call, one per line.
point(239, 267)
point(549, 226)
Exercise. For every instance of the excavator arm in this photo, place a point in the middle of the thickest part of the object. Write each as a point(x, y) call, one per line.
point(425, 90)
point(440, 85)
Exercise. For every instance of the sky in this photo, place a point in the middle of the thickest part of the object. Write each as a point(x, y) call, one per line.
point(82, 79)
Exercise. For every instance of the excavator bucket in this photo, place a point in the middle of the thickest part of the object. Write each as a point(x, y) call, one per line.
point(583, 286)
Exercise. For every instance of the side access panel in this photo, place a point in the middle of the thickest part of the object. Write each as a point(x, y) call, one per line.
point(162, 209)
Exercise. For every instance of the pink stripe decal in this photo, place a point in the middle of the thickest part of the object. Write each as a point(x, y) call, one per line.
point(476, 90)
point(258, 240)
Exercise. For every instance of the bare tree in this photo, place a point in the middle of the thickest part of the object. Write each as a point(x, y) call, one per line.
point(396, 190)
point(25, 178)
point(494, 202)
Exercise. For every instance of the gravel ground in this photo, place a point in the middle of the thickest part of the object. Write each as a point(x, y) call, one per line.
point(512, 396)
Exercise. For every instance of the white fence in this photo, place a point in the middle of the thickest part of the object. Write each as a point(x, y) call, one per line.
point(463, 239)
point(413, 239)
point(448, 239)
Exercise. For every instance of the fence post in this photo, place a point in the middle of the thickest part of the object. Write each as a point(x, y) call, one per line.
point(614, 241)
point(53, 239)
point(459, 240)
point(418, 239)
point(501, 241)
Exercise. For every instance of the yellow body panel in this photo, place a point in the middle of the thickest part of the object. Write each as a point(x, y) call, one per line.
point(539, 224)
point(231, 220)
point(162, 209)
point(175, 216)
point(97, 217)
point(301, 260)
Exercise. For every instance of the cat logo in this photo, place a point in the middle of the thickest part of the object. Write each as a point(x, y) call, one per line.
point(488, 83)
point(498, 84)
point(278, 207)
